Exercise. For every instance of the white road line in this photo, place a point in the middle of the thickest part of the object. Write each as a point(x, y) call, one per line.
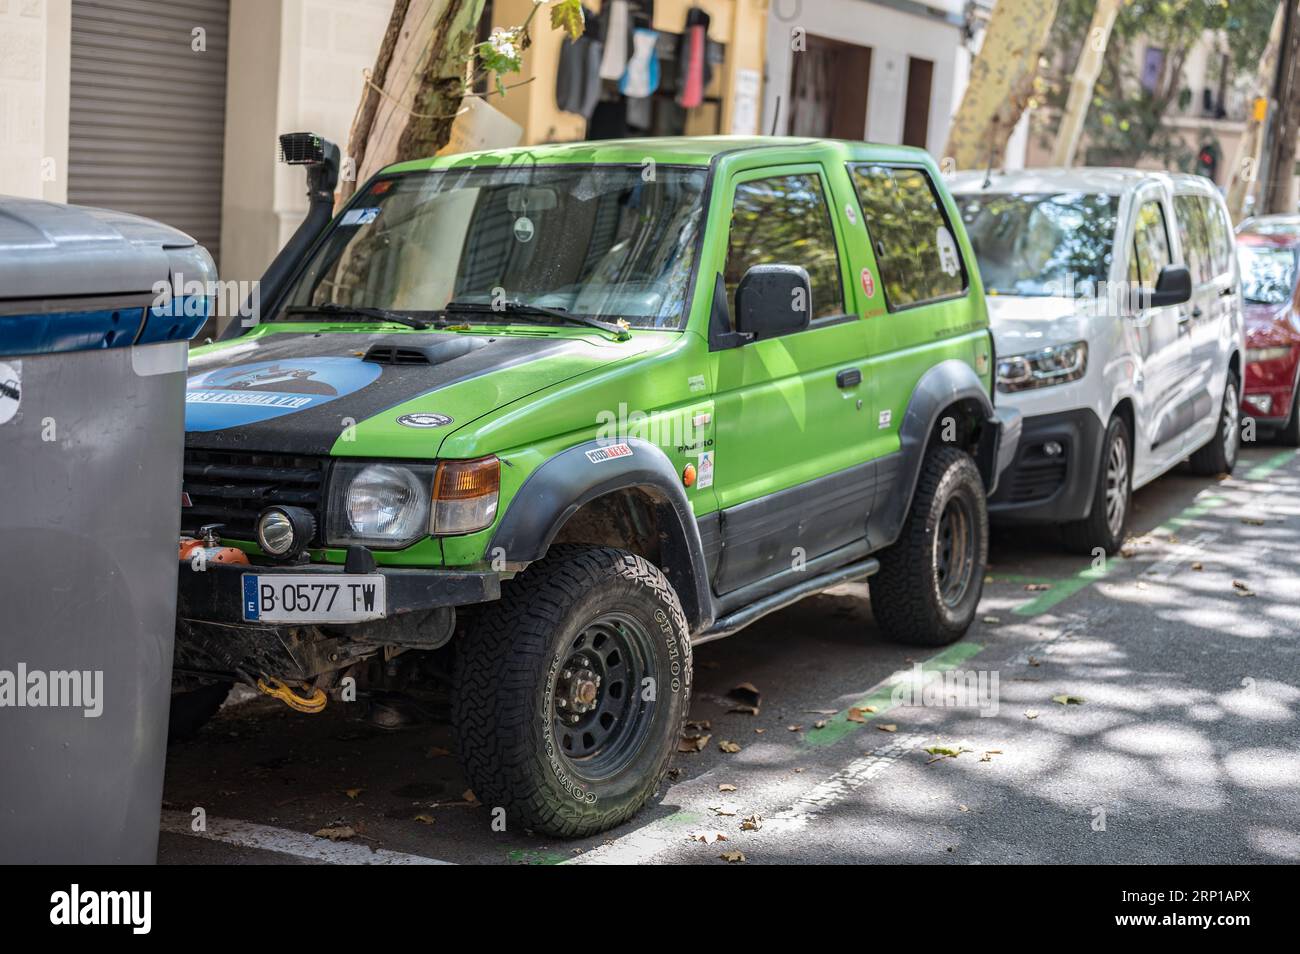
point(266, 838)
point(1183, 553)
point(842, 784)
point(1044, 645)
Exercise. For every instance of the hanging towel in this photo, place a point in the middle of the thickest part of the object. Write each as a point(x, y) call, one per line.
point(577, 84)
point(693, 57)
point(614, 61)
point(641, 78)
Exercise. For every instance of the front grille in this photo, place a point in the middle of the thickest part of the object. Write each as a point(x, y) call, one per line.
point(1036, 477)
point(233, 487)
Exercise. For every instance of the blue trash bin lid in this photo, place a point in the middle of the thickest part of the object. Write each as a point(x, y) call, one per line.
point(76, 278)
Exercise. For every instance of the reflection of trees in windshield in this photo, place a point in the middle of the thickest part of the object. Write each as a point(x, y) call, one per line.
point(1040, 244)
point(1267, 274)
point(602, 241)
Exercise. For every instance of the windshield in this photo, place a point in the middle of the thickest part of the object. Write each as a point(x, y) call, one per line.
point(1038, 245)
point(608, 242)
point(1267, 273)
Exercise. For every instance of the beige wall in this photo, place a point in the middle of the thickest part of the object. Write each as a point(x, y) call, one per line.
point(295, 65)
point(741, 25)
point(35, 65)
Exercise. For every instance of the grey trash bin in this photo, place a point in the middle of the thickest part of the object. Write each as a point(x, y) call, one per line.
point(92, 378)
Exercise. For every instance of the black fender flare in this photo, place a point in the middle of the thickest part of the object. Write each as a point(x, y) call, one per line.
point(943, 385)
point(557, 489)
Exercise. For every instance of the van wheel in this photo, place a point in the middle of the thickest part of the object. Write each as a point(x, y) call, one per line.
point(930, 581)
point(1112, 498)
point(1219, 456)
point(570, 692)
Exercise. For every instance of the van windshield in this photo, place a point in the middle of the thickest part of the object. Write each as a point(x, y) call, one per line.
point(1035, 245)
point(608, 242)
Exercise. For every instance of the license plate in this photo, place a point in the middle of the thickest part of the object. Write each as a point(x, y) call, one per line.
point(313, 597)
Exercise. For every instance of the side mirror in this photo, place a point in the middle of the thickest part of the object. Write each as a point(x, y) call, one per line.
point(773, 300)
point(1173, 287)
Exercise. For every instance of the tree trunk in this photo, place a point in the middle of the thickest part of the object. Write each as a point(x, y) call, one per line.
point(1001, 82)
point(1084, 81)
point(1245, 170)
point(1278, 190)
point(416, 87)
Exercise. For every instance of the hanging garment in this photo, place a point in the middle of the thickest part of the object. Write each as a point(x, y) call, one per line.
point(693, 57)
point(641, 78)
point(577, 84)
point(617, 42)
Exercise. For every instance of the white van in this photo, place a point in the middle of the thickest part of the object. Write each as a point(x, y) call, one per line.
point(1116, 310)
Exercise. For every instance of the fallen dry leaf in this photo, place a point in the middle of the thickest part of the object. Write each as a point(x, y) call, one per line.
point(819, 724)
point(708, 837)
point(733, 857)
point(888, 727)
point(693, 743)
point(426, 819)
point(725, 787)
point(962, 808)
point(726, 809)
point(752, 823)
point(1037, 587)
point(469, 796)
point(728, 746)
point(1031, 713)
point(822, 711)
point(336, 832)
point(437, 752)
point(353, 792)
point(747, 698)
point(698, 725)
point(795, 728)
point(1252, 521)
point(988, 756)
point(1198, 566)
point(1068, 700)
point(860, 713)
point(991, 619)
point(1241, 589)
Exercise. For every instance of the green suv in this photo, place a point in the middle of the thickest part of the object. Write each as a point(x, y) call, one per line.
point(568, 411)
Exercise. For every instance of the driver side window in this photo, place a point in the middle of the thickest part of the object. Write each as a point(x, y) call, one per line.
point(1151, 243)
point(785, 220)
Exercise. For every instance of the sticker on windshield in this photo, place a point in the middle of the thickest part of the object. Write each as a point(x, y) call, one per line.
point(11, 389)
point(252, 393)
point(949, 260)
point(524, 229)
point(359, 216)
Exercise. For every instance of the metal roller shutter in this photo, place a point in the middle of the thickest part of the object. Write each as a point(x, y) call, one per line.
point(148, 112)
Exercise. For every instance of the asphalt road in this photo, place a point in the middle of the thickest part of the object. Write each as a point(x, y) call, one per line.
point(1179, 664)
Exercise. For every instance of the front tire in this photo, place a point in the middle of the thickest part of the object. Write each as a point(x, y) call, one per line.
point(930, 580)
point(571, 691)
point(192, 708)
point(1219, 456)
point(1112, 497)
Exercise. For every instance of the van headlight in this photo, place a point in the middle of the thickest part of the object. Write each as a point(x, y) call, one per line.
point(1043, 368)
point(379, 505)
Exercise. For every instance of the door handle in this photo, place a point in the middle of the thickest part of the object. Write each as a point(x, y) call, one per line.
point(1227, 291)
point(848, 378)
point(1197, 313)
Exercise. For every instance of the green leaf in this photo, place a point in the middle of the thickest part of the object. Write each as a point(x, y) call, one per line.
point(567, 15)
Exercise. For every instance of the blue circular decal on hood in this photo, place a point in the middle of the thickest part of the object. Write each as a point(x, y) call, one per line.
point(251, 393)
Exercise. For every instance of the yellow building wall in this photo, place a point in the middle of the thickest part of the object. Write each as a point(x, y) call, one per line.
point(740, 25)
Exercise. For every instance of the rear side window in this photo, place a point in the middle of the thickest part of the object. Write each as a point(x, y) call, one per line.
point(1194, 232)
point(1220, 235)
point(785, 220)
point(1151, 241)
point(916, 250)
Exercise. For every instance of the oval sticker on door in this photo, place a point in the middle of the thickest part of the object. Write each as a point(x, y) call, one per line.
point(868, 283)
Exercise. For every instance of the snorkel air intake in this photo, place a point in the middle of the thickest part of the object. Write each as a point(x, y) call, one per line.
point(321, 157)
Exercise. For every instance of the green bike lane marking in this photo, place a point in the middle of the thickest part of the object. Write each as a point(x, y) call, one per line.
point(1260, 471)
point(881, 697)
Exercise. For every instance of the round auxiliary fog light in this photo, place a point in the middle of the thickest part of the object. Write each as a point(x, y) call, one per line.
point(285, 531)
point(1052, 449)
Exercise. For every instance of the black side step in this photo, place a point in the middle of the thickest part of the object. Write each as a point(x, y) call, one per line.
point(738, 620)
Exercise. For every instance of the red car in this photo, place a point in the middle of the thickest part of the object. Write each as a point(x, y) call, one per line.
point(1269, 250)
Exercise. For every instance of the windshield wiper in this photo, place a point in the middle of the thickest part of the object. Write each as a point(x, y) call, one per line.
point(361, 311)
point(522, 309)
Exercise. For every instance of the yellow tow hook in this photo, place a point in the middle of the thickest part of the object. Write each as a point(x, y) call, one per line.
point(278, 690)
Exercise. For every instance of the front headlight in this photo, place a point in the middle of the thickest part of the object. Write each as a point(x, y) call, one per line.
point(1040, 369)
point(379, 505)
point(1256, 355)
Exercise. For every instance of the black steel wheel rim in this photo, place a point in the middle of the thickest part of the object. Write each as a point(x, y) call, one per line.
point(954, 550)
point(599, 717)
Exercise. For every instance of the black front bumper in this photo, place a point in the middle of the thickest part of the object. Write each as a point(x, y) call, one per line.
point(216, 594)
point(1038, 487)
